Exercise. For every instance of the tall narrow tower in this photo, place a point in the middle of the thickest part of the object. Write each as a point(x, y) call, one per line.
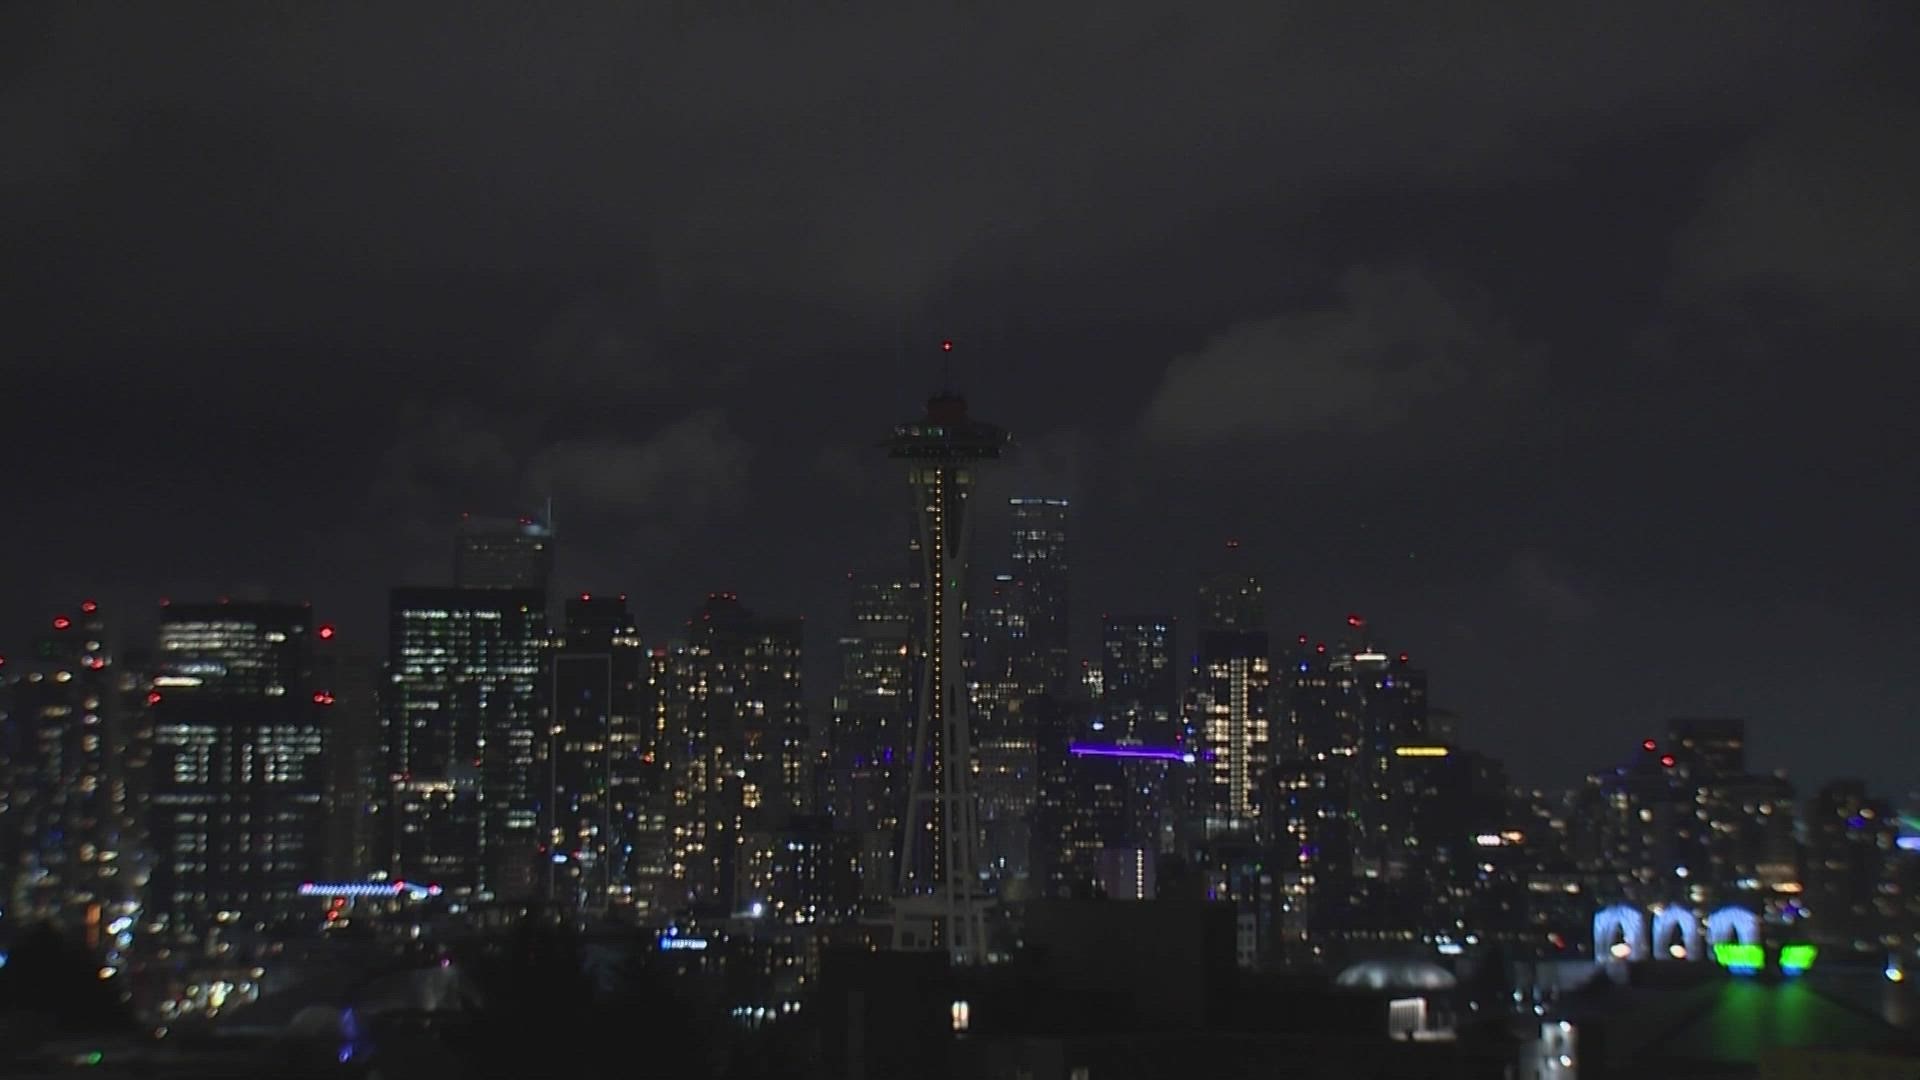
point(941, 905)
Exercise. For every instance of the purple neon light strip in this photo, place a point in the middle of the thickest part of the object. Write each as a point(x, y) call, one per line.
point(1084, 750)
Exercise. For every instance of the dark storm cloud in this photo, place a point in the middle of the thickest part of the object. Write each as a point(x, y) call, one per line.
point(1820, 205)
point(1528, 296)
point(1393, 345)
point(853, 158)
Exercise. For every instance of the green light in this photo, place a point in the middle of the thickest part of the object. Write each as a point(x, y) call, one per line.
point(1795, 959)
point(93, 1058)
point(1732, 954)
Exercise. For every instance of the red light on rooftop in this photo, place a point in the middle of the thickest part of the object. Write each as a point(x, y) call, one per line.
point(1667, 760)
point(61, 622)
point(1303, 639)
point(946, 346)
point(1403, 658)
point(1321, 647)
point(325, 632)
point(153, 697)
point(586, 596)
point(1356, 621)
point(1233, 544)
point(1649, 746)
point(89, 606)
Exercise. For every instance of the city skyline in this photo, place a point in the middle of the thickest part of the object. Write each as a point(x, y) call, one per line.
point(1053, 542)
point(1571, 375)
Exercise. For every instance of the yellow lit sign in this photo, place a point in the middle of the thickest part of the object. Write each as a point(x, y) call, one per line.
point(1420, 751)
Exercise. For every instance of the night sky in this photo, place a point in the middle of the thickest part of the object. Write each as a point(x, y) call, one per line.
point(1572, 345)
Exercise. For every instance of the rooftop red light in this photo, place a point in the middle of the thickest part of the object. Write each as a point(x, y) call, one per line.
point(61, 622)
point(1649, 745)
point(946, 346)
point(89, 606)
point(325, 632)
point(1667, 760)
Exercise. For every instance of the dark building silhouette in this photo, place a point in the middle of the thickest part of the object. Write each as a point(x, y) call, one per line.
point(503, 553)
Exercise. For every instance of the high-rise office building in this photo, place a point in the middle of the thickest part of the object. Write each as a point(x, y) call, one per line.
point(1851, 840)
point(1388, 704)
point(503, 553)
point(462, 720)
point(738, 745)
point(65, 806)
point(238, 808)
point(940, 907)
point(598, 746)
point(1039, 558)
point(1138, 679)
point(347, 675)
point(869, 732)
point(996, 653)
point(1710, 748)
point(1747, 850)
point(1230, 695)
point(1232, 598)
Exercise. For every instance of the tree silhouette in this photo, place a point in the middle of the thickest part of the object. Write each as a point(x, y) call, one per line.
point(544, 1013)
point(52, 975)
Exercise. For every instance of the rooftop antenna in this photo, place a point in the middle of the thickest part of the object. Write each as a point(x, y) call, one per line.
point(946, 367)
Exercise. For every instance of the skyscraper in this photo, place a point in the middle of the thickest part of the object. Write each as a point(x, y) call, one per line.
point(503, 553)
point(238, 810)
point(941, 451)
point(1230, 695)
point(1388, 700)
point(462, 714)
point(1233, 598)
point(1039, 559)
point(737, 741)
point(65, 826)
point(1139, 694)
point(347, 676)
point(595, 753)
point(1850, 842)
point(867, 740)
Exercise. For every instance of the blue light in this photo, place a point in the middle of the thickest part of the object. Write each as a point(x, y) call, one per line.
point(1086, 750)
point(367, 888)
point(689, 944)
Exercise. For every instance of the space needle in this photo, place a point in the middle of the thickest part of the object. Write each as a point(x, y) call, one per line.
point(941, 904)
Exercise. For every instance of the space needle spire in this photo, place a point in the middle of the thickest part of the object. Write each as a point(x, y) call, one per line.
point(941, 903)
